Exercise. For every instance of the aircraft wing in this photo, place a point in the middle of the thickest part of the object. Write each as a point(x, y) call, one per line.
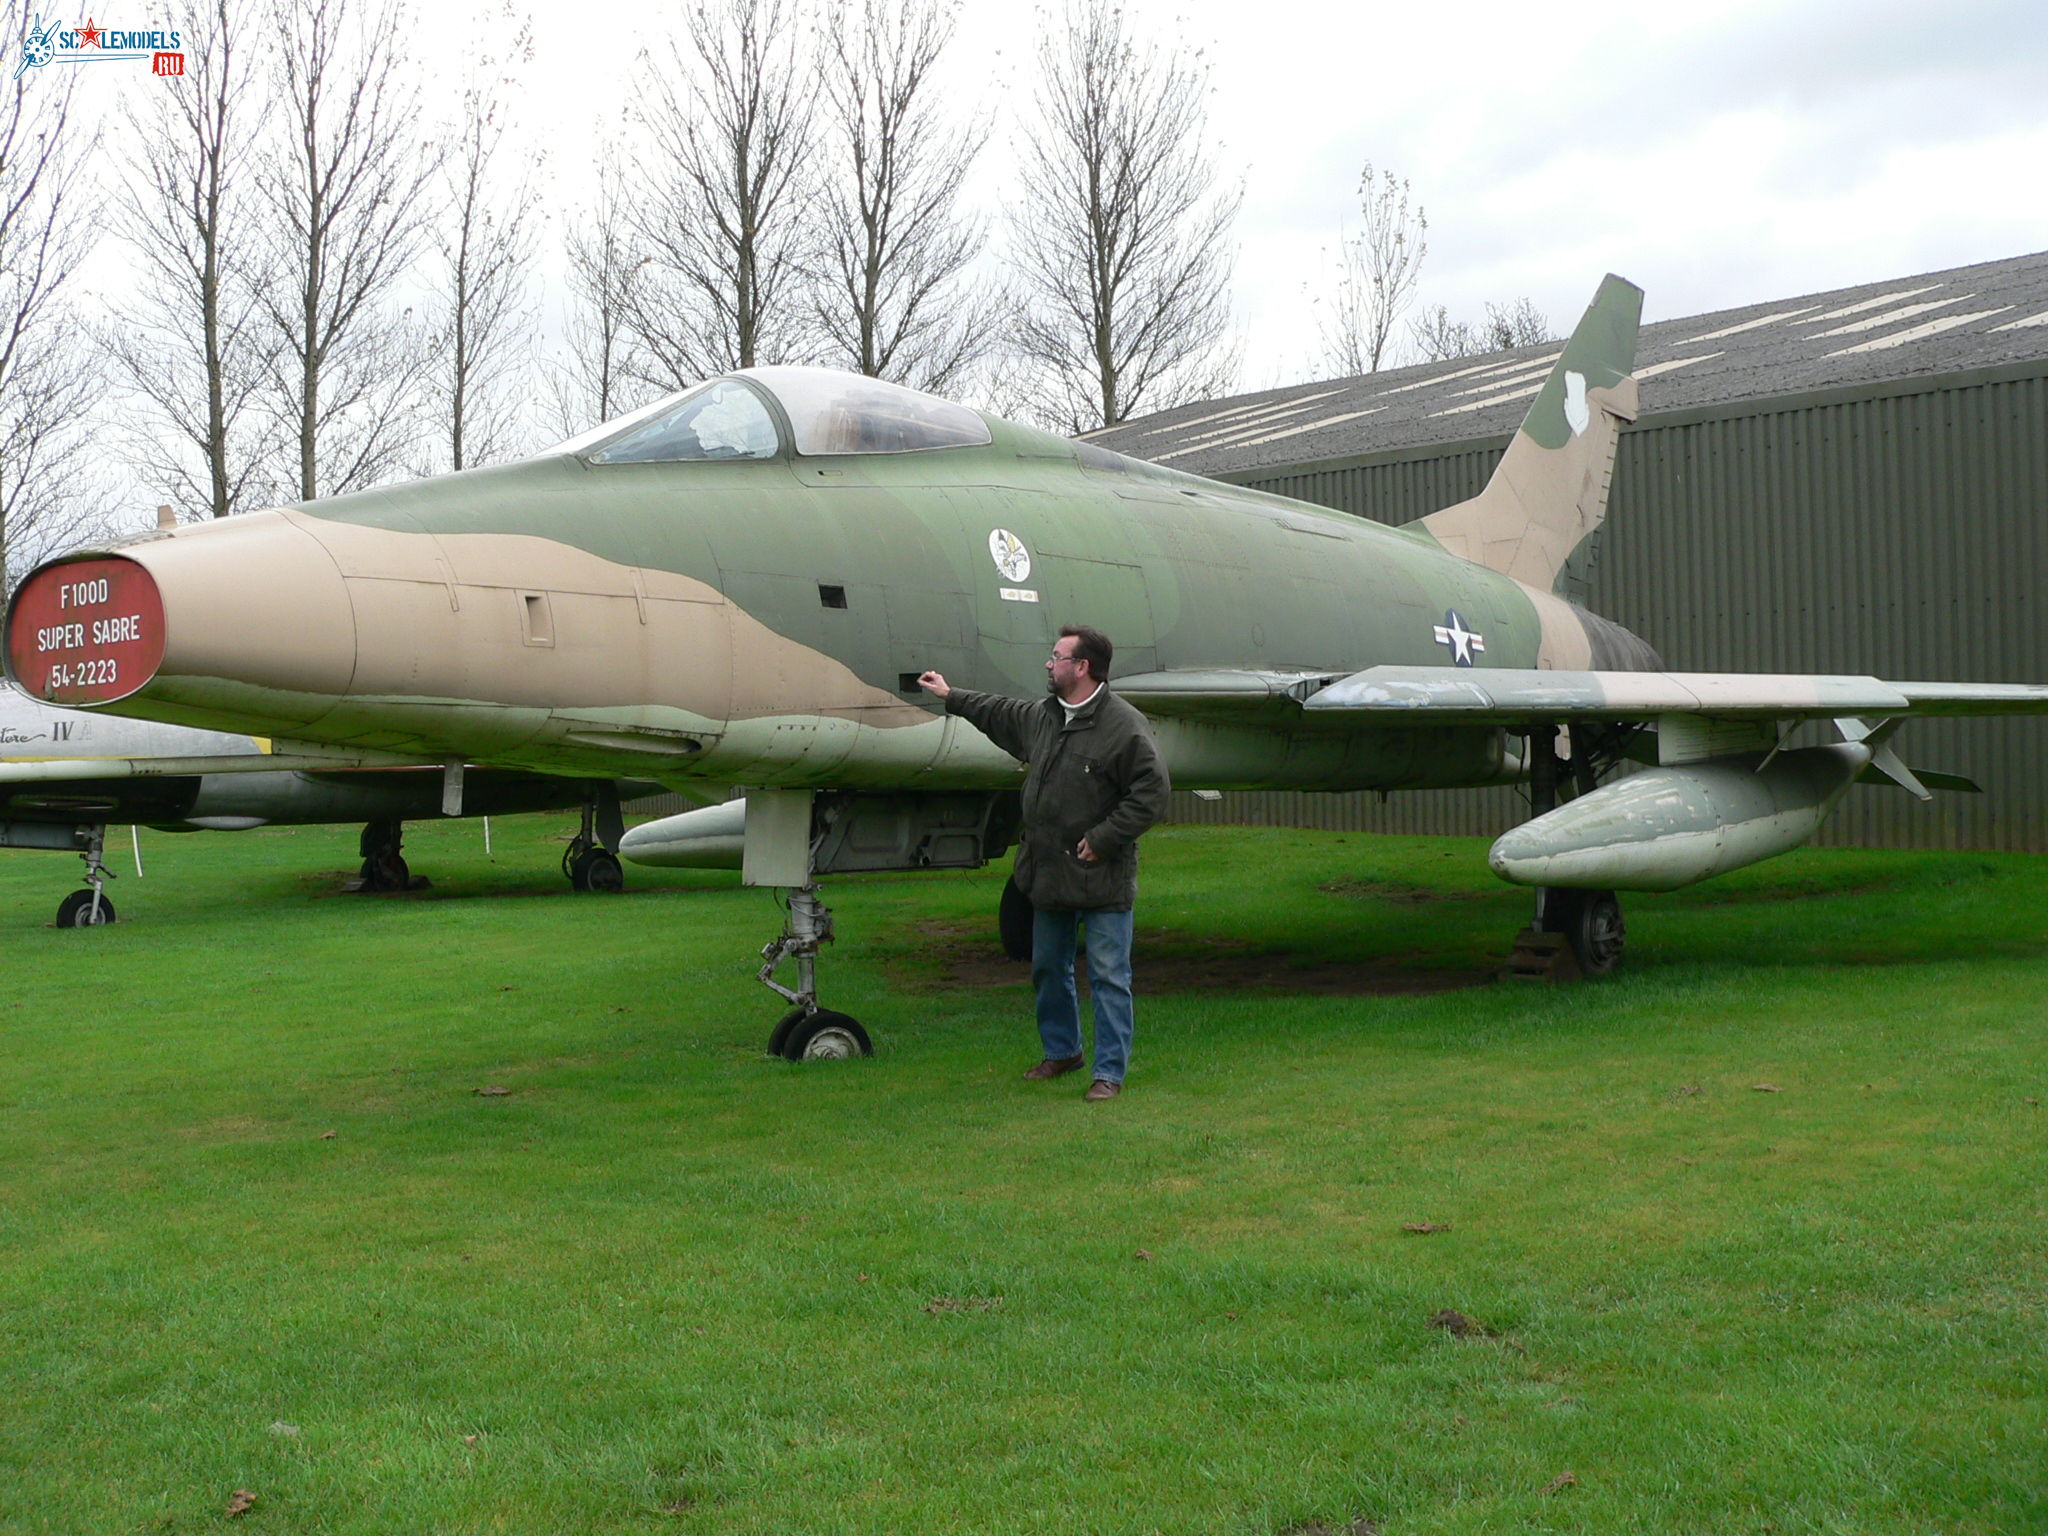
point(1508, 696)
point(70, 769)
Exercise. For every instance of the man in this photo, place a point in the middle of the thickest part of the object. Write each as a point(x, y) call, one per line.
point(1095, 783)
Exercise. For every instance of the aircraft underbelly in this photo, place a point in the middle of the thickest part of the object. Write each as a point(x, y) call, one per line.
point(1201, 755)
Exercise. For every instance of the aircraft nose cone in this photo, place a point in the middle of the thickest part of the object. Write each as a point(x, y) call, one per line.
point(85, 632)
point(248, 610)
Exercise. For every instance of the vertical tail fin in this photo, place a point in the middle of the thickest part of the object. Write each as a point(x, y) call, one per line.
point(1549, 493)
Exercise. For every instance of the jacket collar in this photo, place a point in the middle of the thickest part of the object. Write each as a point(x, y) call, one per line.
point(1083, 716)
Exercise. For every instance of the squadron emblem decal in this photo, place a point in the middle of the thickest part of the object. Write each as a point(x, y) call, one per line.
point(1456, 634)
point(1009, 554)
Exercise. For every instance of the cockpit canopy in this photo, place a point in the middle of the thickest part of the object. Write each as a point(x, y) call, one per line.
point(828, 413)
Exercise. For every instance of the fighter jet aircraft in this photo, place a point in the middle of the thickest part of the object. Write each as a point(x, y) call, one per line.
point(66, 775)
point(740, 585)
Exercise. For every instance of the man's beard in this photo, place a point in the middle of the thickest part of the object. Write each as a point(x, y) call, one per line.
point(1052, 687)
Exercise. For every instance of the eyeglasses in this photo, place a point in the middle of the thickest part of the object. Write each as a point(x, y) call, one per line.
point(1056, 656)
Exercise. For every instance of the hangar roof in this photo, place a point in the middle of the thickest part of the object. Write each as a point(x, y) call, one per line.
point(1938, 323)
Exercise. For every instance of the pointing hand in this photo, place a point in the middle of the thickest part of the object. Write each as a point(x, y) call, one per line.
point(934, 683)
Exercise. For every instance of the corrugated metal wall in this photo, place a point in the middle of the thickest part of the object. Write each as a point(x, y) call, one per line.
point(1899, 530)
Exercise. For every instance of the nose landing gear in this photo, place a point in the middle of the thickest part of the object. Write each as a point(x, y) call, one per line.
point(808, 1032)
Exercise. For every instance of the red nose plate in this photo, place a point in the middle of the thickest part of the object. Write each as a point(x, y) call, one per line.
point(86, 632)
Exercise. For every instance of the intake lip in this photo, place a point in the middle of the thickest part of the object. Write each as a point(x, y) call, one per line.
point(86, 631)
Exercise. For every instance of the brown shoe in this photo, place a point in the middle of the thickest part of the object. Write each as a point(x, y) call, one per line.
point(1102, 1088)
point(1049, 1069)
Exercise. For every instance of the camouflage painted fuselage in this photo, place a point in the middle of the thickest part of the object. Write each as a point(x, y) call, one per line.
point(761, 623)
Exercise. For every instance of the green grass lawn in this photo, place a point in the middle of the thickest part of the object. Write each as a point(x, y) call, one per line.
point(259, 1231)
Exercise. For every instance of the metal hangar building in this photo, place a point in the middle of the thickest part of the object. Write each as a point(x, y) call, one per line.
point(1849, 482)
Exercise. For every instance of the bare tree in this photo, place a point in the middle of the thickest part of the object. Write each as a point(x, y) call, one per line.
point(1439, 338)
point(192, 342)
point(1119, 232)
point(47, 383)
point(597, 377)
point(1520, 324)
point(1376, 274)
point(722, 183)
point(483, 324)
point(346, 183)
point(894, 301)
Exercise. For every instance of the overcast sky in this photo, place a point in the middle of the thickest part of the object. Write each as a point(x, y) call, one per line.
point(1717, 152)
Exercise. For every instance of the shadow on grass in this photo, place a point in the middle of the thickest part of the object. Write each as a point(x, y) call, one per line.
point(946, 955)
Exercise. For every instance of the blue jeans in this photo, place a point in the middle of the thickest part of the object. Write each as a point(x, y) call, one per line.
point(1053, 936)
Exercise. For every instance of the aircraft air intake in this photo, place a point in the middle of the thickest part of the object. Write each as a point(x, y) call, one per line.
point(223, 624)
point(85, 631)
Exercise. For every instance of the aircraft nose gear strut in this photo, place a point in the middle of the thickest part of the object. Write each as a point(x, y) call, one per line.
point(91, 907)
point(808, 1032)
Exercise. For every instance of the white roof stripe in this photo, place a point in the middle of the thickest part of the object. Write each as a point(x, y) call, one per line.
point(1294, 431)
point(1522, 378)
point(1442, 378)
point(1747, 325)
point(1216, 436)
point(1480, 405)
point(1893, 316)
point(1677, 362)
point(1863, 304)
point(1931, 328)
point(1242, 410)
point(2013, 325)
point(1529, 362)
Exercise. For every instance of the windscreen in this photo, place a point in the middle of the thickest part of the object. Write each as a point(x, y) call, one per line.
point(722, 420)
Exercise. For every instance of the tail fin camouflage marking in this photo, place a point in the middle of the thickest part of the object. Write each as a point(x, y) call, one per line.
point(1549, 492)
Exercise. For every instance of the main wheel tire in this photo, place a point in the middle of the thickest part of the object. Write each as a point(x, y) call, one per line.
point(1597, 933)
point(76, 911)
point(386, 872)
point(597, 869)
point(1558, 909)
point(1013, 921)
point(826, 1036)
point(783, 1026)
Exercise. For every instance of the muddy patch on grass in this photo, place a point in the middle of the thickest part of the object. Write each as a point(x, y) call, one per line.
point(946, 956)
point(1398, 895)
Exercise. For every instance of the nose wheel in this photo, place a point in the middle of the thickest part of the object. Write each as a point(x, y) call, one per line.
point(808, 1032)
point(820, 1035)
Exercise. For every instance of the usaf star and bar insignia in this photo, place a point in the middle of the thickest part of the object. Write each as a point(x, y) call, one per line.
point(1456, 635)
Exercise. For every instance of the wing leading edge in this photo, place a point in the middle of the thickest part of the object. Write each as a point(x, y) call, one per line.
point(1509, 696)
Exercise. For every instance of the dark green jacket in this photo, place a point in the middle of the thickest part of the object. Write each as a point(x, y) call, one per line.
point(1097, 776)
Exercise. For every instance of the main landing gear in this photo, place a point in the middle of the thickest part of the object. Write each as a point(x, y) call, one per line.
point(1586, 924)
point(384, 867)
point(589, 863)
point(90, 907)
